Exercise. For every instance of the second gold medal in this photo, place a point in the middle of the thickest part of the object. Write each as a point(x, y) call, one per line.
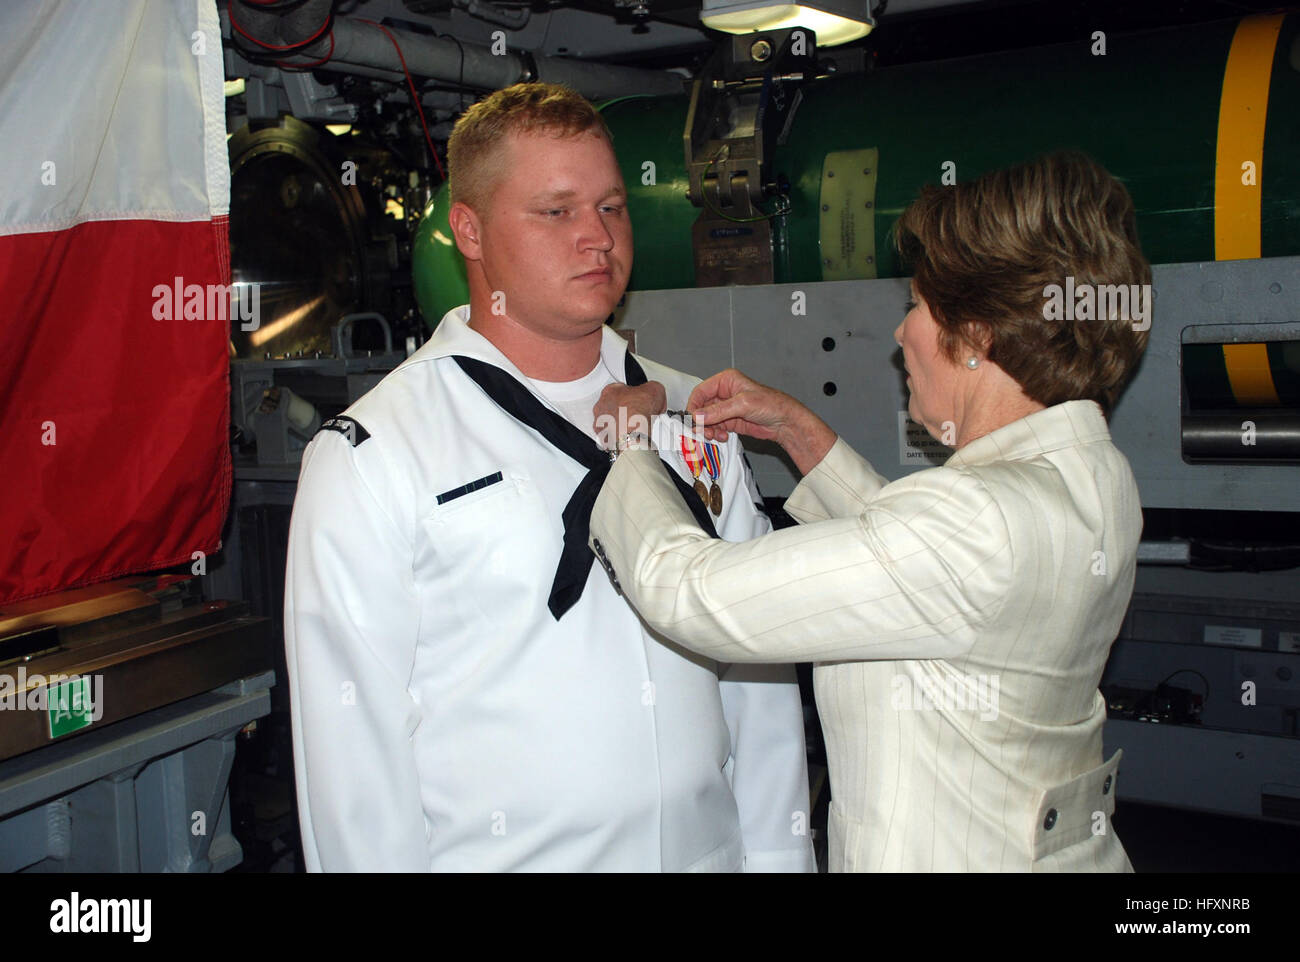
point(713, 461)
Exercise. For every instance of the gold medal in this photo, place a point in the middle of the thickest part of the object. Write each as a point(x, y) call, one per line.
point(713, 463)
point(694, 458)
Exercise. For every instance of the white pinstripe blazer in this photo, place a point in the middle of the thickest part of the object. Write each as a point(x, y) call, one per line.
point(959, 618)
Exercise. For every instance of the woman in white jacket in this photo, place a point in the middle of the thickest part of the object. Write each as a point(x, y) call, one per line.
point(960, 618)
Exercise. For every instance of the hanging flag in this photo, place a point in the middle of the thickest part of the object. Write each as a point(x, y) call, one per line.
point(114, 266)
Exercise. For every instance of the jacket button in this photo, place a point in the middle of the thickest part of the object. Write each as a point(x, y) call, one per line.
point(1105, 789)
point(1050, 820)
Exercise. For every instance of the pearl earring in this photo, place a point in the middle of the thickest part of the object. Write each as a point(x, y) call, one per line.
point(972, 362)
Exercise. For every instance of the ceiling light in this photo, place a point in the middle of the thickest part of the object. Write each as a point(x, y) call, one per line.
point(834, 21)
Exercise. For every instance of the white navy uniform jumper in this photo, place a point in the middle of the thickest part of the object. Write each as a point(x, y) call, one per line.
point(445, 720)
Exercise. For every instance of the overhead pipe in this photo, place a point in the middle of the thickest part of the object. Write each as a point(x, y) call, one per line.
point(472, 65)
point(276, 33)
point(352, 43)
point(486, 10)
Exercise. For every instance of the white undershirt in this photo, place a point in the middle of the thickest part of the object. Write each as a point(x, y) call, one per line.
point(575, 399)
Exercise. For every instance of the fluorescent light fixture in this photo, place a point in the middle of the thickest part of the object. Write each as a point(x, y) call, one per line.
point(834, 21)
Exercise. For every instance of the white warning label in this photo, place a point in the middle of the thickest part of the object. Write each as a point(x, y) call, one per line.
point(915, 446)
point(1234, 635)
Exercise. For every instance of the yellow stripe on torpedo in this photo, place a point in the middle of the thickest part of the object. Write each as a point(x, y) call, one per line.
point(1243, 110)
point(1243, 113)
point(1249, 375)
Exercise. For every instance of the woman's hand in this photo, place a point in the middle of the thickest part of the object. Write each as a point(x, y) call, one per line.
point(621, 410)
point(730, 401)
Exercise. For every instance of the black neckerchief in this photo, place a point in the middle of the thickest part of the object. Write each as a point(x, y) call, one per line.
point(521, 404)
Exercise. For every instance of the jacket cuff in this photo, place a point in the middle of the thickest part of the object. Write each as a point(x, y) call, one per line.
point(821, 493)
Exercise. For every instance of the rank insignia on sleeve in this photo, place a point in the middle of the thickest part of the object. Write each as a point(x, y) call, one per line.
point(348, 427)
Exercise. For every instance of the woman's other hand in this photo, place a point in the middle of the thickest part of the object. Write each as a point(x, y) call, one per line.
point(730, 401)
point(621, 410)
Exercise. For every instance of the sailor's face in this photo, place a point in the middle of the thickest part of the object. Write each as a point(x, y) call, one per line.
point(557, 242)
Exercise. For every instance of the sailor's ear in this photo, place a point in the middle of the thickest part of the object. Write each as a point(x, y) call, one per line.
point(466, 227)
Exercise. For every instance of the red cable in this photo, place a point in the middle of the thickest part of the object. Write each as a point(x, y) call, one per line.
point(329, 17)
point(415, 97)
point(300, 67)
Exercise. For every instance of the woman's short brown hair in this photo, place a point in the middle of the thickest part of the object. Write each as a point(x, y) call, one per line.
point(474, 151)
point(984, 254)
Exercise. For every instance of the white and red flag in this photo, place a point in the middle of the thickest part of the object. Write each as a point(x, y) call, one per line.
point(114, 184)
